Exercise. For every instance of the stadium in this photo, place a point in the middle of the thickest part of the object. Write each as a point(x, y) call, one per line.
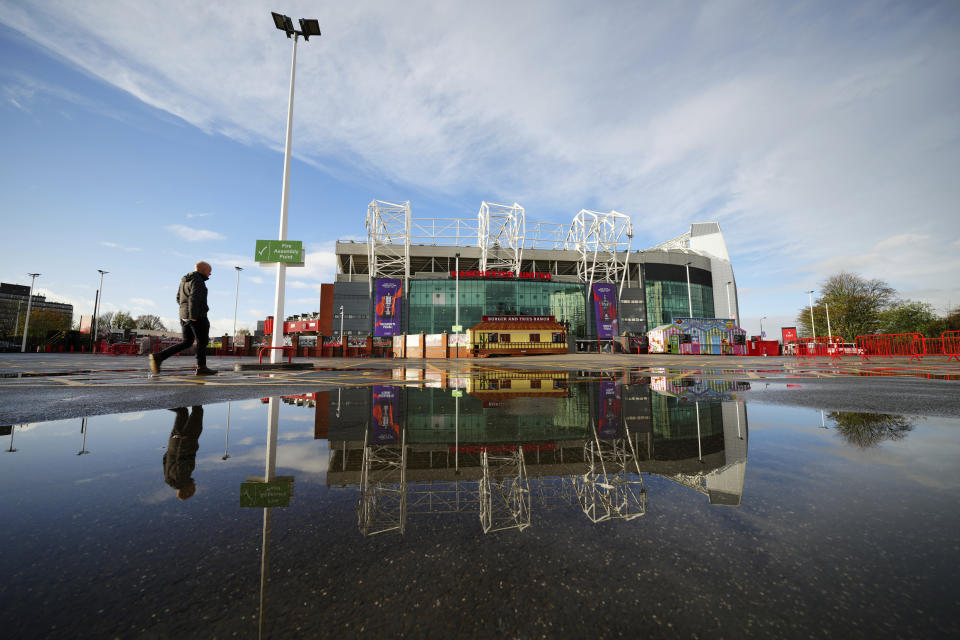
point(432, 275)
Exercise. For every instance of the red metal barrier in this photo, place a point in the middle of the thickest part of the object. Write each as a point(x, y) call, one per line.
point(948, 345)
point(822, 346)
point(891, 345)
point(288, 350)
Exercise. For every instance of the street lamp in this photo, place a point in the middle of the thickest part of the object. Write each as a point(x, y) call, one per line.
point(26, 322)
point(236, 299)
point(308, 27)
point(96, 310)
point(342, 345)
point(813, 327)
point(689, 296)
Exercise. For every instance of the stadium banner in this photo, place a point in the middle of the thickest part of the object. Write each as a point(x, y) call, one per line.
point(605, 310)
point(385, 426)
point(387, 308)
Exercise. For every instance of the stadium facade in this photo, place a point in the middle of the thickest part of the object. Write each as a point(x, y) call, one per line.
point(406, 277)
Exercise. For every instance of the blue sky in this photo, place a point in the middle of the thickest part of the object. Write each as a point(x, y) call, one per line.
point(138, 138)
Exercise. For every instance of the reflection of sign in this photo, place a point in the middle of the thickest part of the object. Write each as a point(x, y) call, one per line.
point(523, 275)
point(605, 310)
point(608, 414)
point(387, 309)
point(457, 393)
point(517, 319)
point(265, 494)
point(288, 251)
point(385, 426)
point(457, 328)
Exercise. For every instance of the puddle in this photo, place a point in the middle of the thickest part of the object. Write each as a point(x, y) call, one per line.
point(496, 503)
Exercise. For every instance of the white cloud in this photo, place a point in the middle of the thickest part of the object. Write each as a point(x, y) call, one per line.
point(143, 302)
point(112, 245)
point(198, 215)
point(255, 279)
point(194, 235)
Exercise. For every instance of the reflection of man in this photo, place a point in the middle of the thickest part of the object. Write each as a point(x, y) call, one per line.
point(181, 455)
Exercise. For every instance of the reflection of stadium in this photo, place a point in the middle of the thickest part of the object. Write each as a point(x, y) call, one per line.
point(518, 441)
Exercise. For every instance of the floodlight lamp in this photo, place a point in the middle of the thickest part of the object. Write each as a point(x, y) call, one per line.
point(309, 27)
point(282, 22)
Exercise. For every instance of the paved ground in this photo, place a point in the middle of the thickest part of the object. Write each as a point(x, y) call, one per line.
point(35, 387)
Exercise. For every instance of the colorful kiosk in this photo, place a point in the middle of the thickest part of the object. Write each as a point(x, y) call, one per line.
point(516, 336)
point(699, 336)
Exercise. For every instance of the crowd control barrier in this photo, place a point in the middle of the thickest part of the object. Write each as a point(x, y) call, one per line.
point(822, 346)
point(891, 345)
point(948, 344)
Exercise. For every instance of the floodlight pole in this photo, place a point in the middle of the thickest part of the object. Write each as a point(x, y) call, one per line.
point(689, 295)
point(276, 354)
point(236, 299)
point(813, 327)
point(729, 308)
point(26, 322)
point(457, 293)
point(342, 343)
point(829, 331)
point(96, 311)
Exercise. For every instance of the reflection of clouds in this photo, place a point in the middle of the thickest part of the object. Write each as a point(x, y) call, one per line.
point(306, 457)
point(131, 417)
point(250, 404)
point(102, 476)
point(162, 494)
point(297, 419)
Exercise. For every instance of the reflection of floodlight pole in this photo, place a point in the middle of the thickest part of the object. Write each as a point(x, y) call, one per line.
point(813, 327)
point(689, 295)
point(456, 435)
point(309, 27)
point(339, 389)
point(226, 446)
point(83, 441)
point(739, 435)
point(11, 449)
point(696, 407)
point(26, 322)
point(823, 420)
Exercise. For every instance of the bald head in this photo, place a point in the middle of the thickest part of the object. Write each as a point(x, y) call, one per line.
point(204, 268)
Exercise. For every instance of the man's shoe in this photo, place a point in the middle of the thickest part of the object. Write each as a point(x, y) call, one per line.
point(206, 371)
point(154, 363)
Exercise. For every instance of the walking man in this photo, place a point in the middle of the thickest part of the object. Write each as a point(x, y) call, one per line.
point(192, 297)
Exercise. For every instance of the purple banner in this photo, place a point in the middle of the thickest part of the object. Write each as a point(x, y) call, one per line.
point(608, 413)
point(605, 310)
point(385, 425)
point(387, 309)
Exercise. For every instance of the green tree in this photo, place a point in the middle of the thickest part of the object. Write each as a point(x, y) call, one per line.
point(149, 321)
point(907, 316)
point(950, 322)
point(855, 305)
point(243, 331)
point(43, 321)
point(123, 320)
point(870, 429)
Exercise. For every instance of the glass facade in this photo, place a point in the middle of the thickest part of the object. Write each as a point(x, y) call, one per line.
point(432, 303)
point(668, 300)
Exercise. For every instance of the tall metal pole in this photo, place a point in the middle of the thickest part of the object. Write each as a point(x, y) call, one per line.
point(236, 299)
point(829, 331)
point(83, 440)
point(457, 294)
point(26, 322)
point(813, 327)
point(689, 295)
point(276, 355)
point(226, 444)
point(343, 342)
point(96, 310)
point(729, 308)
point(761, 326)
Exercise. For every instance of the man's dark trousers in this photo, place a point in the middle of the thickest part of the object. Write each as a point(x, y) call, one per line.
point(198, 330)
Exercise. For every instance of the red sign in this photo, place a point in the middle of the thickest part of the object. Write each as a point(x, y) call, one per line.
point(523, 275)
point(789, 334)
point(518, 319)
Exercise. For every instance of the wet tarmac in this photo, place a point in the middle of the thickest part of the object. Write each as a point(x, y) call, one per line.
point(483, 501)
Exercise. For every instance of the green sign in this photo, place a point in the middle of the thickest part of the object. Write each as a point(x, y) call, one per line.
point(457, 328)
point(265, 494)
point(457, 393)
point(287, 251)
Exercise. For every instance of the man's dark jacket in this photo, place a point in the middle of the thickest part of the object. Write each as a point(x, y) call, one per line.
point(181, 456)
point(192, 296)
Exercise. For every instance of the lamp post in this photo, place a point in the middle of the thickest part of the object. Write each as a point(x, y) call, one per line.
point(813, 327)
point(26, 322)
point(236, 299)
point(308, 27)
point(689, 295)
point(342, 339)
point(829, 330)
point(96, 310)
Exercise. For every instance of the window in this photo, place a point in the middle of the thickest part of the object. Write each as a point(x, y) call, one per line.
point(534, 337)
point(504, 337)
point(505, 384)
point(534, 384)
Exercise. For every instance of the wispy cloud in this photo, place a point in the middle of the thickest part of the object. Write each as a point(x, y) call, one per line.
point(198, 215)
point(142, 302)
point(194, 235)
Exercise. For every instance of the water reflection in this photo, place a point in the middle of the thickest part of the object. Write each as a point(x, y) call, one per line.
point(503, 444)
point(180, 459)
point(870, 429)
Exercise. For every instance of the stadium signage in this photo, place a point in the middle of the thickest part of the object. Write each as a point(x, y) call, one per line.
point(523, 275)
point(517, 319)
